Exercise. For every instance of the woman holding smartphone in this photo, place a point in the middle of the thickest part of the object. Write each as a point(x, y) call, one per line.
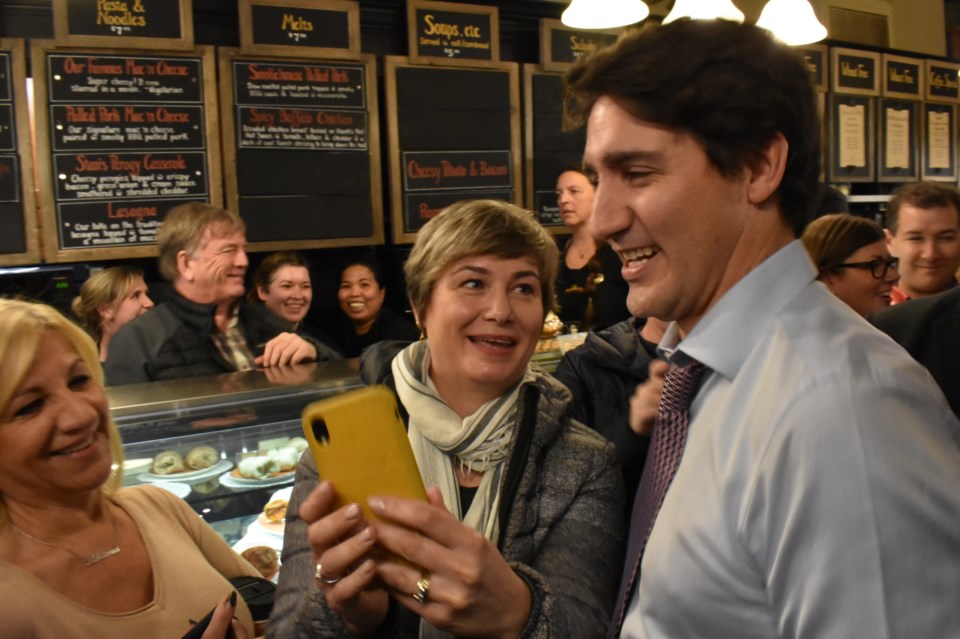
point(79, 556)
point(522, 532)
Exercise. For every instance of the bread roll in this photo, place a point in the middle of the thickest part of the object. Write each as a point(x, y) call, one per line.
point(167, 463)
point(264, 559)
point(202, 457)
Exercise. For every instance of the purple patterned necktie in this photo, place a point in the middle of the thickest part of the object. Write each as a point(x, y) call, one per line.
point(666, 450)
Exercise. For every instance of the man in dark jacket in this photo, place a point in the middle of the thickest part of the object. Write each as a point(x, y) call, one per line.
point(203, 328)
point(603, 374)
point(929, 328)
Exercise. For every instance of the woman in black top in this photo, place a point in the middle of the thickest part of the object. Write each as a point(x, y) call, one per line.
point(366, 320)
point(590, 289)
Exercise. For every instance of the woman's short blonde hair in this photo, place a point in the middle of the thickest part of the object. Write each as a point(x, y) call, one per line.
point(478, 227)
point(104, 288)
point(22, 325)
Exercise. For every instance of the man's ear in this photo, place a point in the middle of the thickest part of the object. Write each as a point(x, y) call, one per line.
point(766, 173)
point(888, 236)
point(185, 266)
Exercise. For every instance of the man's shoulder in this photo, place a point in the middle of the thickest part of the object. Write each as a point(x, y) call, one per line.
point(818, 342)
point(159, 320)
point(911, 315)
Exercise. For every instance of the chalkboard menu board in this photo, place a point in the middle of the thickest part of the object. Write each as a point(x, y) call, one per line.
point(140, 24)
point(561, 46)
point(453, 33)
point(454, 135)
point(18, 241)
point(300, 28)
point(549, 149)
point(303, 137)
point(122, 139)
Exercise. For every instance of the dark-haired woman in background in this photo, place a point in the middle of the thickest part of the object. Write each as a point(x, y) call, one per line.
point(282, 284)
point(366, 319)
point(852, 260)
point(590, 289)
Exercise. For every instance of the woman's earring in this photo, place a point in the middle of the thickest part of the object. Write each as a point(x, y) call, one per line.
point(423, 333)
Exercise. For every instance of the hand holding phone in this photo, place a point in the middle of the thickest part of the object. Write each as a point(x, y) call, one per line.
point(359, 443)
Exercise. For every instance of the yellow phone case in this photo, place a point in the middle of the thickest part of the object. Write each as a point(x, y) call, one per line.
point(360, 444)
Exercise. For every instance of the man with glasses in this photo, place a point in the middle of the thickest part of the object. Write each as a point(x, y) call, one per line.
point(810, 489)
point(923, 230)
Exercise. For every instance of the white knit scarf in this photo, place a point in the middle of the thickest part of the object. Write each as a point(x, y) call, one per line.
point(481, 442)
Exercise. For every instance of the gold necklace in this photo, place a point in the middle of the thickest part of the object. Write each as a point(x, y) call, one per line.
point(87, 560)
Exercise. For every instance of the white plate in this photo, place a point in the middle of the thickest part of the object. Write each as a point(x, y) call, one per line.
point(178, 489)
point(230, 481)
point(193, 475)
point(283, 493)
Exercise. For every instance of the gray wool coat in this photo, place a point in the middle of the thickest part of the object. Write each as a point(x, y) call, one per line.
point(561, 523)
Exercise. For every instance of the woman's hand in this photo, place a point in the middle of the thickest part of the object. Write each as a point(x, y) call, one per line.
point(645, 400)
point(224, 620)
point(471, 592)
point(341, 541)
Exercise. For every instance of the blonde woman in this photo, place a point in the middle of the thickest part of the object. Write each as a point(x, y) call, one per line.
point(109, 299)
point(79, 556)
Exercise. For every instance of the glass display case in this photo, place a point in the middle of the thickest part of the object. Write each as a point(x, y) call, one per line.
point(215, 423)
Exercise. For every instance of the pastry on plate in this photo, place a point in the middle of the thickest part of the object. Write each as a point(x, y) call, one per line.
point(264, 559)
point(286, 457)
point(260, 467)
point(299, 443)
point(167, 463)
point(202, 457)
point(275, 511)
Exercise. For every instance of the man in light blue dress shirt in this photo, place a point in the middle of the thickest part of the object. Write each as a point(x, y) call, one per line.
point(818, 494)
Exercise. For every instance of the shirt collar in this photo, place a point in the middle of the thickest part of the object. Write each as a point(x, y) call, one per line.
point(725, 336)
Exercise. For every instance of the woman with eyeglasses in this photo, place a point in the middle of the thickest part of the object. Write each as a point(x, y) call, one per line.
point(852, 260)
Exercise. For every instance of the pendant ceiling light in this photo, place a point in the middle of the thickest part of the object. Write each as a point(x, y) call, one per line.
point(704, 10)
point(792, 21)
point(604, 14)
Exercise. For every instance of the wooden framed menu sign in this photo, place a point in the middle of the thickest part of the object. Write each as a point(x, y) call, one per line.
point(815, 56)
point(127, 24)
point(902, 77)
point(939, 142)
point(18, 242)
point(898, 146)
point(454, 134)
point(852, 119)
point(122, 137)
point(548, 149)
point(561, 46)
point(855, 72)
point(453, 34)
point(329, 29)
point(303, 136)
point(943, 82)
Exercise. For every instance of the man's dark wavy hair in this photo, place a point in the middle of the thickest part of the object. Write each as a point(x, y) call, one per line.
point(731, 86)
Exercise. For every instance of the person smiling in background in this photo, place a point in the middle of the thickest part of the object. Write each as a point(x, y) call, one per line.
point(366, 319)
point(923, 230)
point(852, 260)
point(282, 284)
